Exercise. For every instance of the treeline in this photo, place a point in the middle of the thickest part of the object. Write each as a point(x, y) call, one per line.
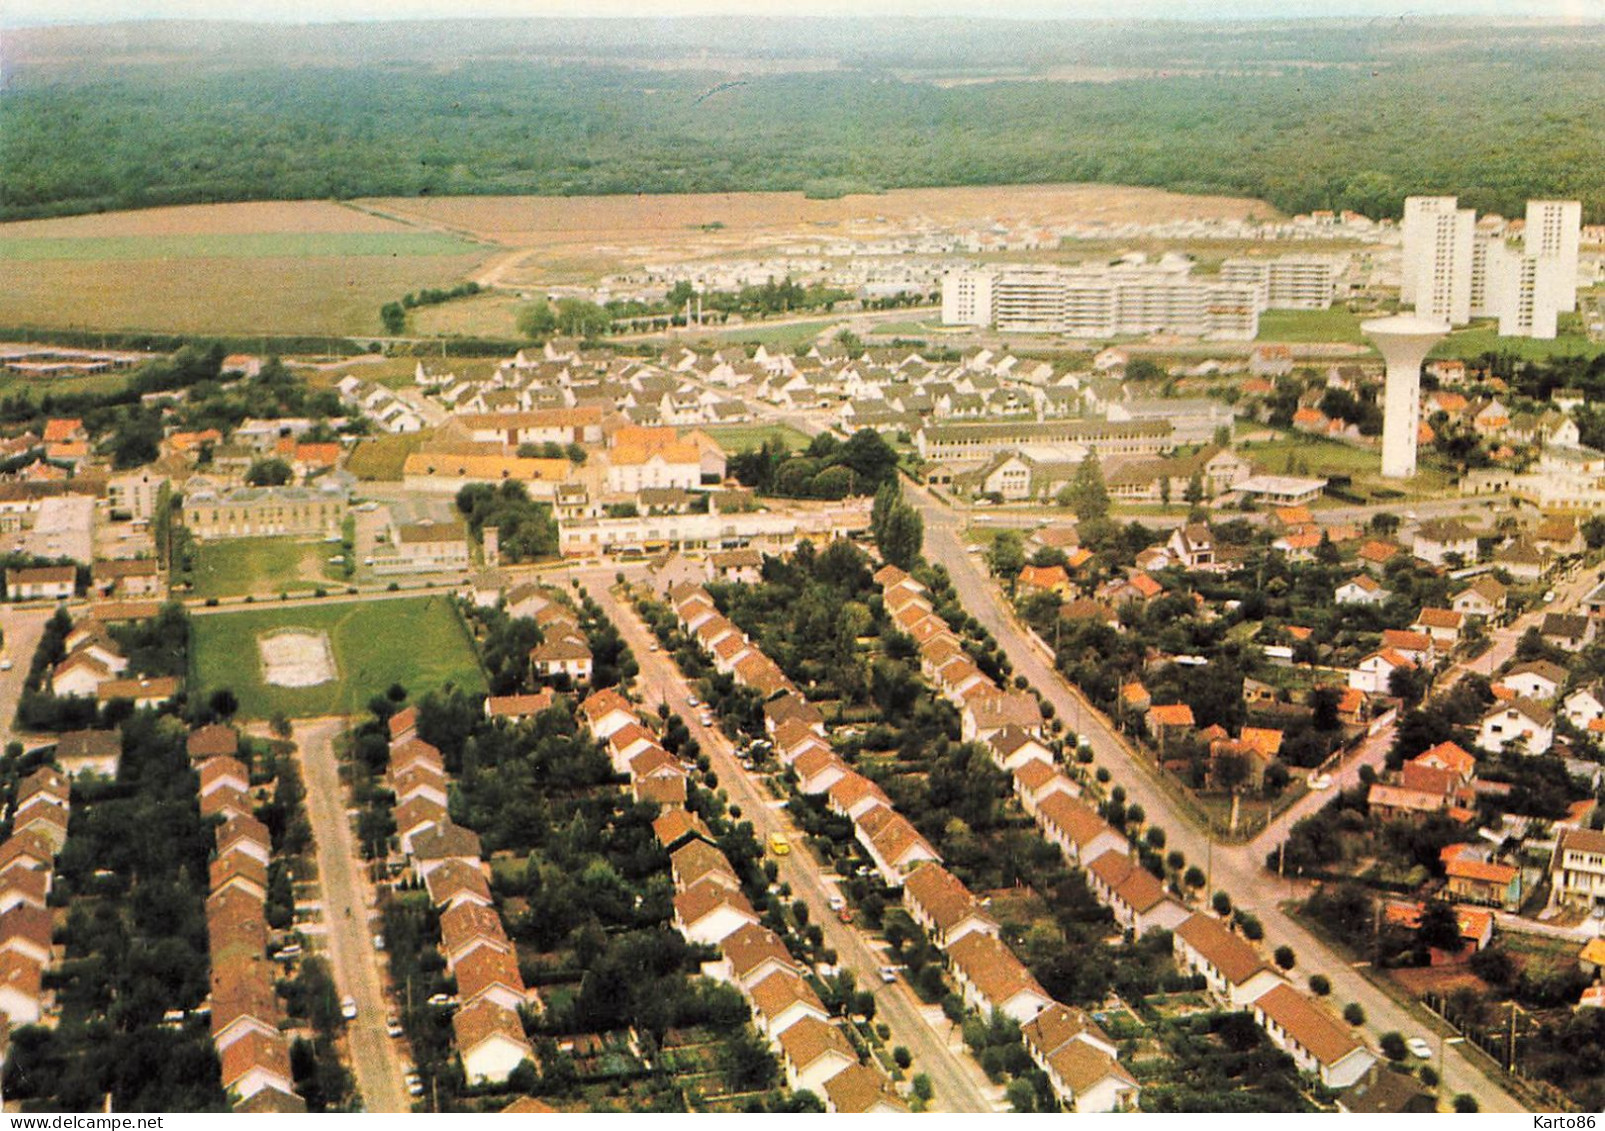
point(394, 314)
point(1302, 137)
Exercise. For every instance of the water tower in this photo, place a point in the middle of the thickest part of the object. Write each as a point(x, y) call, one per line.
point(1403, 341)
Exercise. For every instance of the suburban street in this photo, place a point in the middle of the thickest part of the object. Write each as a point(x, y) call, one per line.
point(348, 941)
point(1237, 870)
point(958, 1083)
point(23, 625)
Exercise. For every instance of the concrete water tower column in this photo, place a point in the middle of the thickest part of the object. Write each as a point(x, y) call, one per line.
point(1403, 342)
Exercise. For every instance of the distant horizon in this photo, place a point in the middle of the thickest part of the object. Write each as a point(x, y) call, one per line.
point(49, 13)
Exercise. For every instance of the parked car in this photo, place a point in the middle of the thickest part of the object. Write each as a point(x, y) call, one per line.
point(779, 845)
point(348, 1009)
point(1320, 781)
point(393, 1026)
point(889, 974)
point(1419, 1046)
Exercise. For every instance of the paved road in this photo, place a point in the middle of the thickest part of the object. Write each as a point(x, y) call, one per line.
point(1237, 870)
point(1569, 593)
point(958, 1085)
point(1372, 752)
point(375, 1058)
point(23, 625)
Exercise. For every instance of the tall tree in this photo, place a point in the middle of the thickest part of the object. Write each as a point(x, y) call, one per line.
point(1089, 495)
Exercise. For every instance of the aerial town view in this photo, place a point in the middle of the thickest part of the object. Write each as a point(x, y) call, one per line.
point(740, 558)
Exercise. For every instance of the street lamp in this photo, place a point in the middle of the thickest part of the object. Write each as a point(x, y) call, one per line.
point(1442, 1041)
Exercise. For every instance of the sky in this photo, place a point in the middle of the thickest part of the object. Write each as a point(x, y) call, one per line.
point(19, 13)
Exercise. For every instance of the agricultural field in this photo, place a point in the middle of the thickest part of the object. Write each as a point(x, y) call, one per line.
point(574, 238)
point(418, 642)
point(292, 268)
point(263, 566)
point(493, 315)
point(734, 438)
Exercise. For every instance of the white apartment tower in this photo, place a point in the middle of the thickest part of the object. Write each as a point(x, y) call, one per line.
point(967, 298)
point(1438, 249)
point(1553, 231)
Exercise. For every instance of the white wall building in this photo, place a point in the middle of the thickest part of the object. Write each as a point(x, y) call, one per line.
point(1289, 282)
point(1100, 302)
point(1438, 247)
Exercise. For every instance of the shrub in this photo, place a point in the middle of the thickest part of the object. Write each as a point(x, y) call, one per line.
point(1354, 1014)
point(1285, 958)
point(1222, 903)
point(1393, 1046)
point(1320, 985)
point(1466, 1104)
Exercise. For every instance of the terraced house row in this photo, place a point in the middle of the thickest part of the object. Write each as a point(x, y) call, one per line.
point(1086, 1076)
point(446, 858)
point(247, 1015)
point(1236, 974)
point(797, 730)
point(39, 817)
point(710, 909)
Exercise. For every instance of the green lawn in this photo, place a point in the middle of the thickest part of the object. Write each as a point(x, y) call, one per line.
point(735, 438)
point(1311, 455)
point(786, 336)
point(263, 566)
point(243, 245)
point(1483, 337)
point(418, 642)
point(1334, 325)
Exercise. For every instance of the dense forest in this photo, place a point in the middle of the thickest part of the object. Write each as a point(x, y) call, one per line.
point(1321, 114)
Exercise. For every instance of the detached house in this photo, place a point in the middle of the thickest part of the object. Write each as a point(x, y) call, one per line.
point(1520, 720)
point(1362, 589)
point(1577, 868)
point(1539, 680)
point(1484, 598)
point(1192, 546)
point(1439, 539)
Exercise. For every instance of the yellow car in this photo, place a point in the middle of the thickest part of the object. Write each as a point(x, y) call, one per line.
point(779, 845)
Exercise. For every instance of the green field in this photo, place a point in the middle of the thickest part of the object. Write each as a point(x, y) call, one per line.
point(1334, 325)
point(418, 642)
point(1483, 337)
point(788, 335)
point(261, 566)
point(234, 245)
point(735, 438)
point(1311, 455)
